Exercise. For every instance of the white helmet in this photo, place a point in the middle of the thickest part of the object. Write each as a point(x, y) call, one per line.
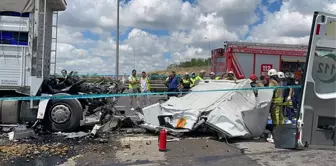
point(212, 73)
point(289, 75)
point(272, 72)
point(281, 74)
point(230, 72)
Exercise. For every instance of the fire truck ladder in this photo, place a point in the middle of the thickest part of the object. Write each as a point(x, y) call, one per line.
point(232, 64)
point(53, 52)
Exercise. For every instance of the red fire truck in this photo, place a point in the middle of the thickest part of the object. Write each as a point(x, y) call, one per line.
point(244, 58)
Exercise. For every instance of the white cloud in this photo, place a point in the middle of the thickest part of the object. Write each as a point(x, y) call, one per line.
point(191, 28)
point(292, 23)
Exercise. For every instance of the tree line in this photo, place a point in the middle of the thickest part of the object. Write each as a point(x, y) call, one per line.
point(195, 62)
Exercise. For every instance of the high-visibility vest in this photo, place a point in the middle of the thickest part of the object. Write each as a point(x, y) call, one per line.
point(216, 78)
point(277, 97)
point(192, 82)
point(133, 85)
point(147, 82)
point(198, 78)
point(186, 83)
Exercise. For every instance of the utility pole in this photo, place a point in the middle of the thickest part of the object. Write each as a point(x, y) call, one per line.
point(117, 43)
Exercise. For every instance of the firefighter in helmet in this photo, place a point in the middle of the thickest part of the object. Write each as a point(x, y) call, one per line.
point(277, 101)
point(255, 83)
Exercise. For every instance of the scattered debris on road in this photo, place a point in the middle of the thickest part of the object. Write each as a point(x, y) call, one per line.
point(33, 150)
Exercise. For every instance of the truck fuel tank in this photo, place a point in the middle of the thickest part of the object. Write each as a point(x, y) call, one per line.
point(9, 112)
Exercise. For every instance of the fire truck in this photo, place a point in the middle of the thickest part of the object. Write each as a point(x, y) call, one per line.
point(245, 58)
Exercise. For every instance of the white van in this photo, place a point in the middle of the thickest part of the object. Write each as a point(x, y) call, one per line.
point(317, 114)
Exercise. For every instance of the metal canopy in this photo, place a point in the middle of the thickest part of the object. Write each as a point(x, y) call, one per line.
point(24, 6)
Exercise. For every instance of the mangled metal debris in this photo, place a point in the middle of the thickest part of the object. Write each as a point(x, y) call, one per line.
point(74, 134)
point(21, 132)
point(231, 113)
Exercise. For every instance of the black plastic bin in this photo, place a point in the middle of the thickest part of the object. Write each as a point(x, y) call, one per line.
point(285, 136)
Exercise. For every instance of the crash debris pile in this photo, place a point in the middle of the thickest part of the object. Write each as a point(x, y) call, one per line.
point(237, 113)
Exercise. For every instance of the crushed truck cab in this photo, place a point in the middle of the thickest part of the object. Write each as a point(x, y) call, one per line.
point(317, 115)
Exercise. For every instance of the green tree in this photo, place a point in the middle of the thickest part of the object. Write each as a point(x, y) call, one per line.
point(194, 62)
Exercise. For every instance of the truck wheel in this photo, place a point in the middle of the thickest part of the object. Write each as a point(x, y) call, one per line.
point(63, 115)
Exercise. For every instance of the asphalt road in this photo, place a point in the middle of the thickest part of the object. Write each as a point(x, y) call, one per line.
point(123, 149)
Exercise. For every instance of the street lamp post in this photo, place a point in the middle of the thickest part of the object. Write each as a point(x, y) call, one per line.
point(134, 57)
point(117, 43)
point(209, 64)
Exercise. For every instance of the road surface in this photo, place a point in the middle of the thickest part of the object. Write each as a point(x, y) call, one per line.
point(141, 149)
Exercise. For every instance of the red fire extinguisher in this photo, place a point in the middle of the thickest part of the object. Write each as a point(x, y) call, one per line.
point(162, 140)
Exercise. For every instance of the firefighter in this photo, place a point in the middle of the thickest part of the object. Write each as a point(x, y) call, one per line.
point(255, 83)
point(263, 80)
point(213, 76)
point(186, 83)
point(276, 105)
point(277, 101)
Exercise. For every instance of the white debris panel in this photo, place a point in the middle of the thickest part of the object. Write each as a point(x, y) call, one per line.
point(236, 113)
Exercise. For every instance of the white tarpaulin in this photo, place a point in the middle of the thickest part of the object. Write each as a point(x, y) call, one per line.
point(236, 113)
point(21, 6)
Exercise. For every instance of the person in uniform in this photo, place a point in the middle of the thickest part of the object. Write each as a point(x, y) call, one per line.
point(200, 77)
point(213, 76)
point(255, 83)
point(192, 78)
point(133, 83)
point(285, 80)
point(277, 101)
point(186, 83)
point(230, 76)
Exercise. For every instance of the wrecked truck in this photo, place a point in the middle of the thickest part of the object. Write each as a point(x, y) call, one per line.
point(28, 44)
point(233, 111)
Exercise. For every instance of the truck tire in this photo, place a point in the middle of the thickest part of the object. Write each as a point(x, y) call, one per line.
point(63, 115)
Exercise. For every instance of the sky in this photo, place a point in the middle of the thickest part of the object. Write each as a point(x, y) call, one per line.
point(156, 33)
